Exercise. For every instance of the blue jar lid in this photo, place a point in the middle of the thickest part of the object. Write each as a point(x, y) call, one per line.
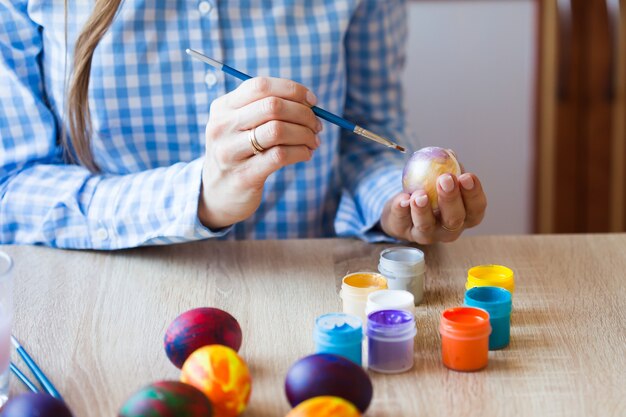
point(495, 300)
point(338, 328)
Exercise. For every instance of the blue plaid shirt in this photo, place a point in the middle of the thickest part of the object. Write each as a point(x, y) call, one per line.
point(150, 103)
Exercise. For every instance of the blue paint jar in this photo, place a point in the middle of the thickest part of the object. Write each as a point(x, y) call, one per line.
point(340, 334)
point(497, 302)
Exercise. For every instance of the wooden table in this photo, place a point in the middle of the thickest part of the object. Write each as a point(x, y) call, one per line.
point(95, 321)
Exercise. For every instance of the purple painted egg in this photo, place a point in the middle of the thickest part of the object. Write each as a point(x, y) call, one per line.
point(167, 399)
point(200, 327)
point(33, 404)
point(325, 374)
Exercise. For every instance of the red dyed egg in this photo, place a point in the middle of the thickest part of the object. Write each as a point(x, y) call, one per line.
point(200, 327)
point(324, 374)
point(35, 405)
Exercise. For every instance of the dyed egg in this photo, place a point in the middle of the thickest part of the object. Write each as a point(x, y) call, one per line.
point(326, 374)
point(167, 399)
point(200, 327)
point(325, 406)
point(220, 373)
point(424, 167)
point(35, 405)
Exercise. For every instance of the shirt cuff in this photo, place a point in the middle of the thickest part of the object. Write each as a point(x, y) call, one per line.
point(172, 217)
point(196, 229)
point(358, 215)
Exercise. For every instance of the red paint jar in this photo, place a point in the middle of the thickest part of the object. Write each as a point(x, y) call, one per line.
point(465, 338)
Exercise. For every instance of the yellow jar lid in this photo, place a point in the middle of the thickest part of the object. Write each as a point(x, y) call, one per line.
point(370, 280)
point(490, 276)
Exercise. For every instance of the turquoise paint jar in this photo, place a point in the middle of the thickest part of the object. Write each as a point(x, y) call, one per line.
point(497, 302)
point(340, 334)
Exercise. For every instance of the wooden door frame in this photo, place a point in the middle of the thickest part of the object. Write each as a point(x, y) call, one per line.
point(579, 122)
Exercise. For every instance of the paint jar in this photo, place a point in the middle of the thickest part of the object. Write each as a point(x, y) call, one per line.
point(340, 334)
point(390, 300)
point(390, 338)
point(356, 287)
point(497, 302)
point(491, 276)
point(465, 338)
point(404, 269)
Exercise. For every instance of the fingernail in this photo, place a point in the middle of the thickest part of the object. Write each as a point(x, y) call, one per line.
point(421, 201)
point(405, 203)
point(320, 126)
point(467, 182)
point(447, 183)
point(317, 140)
point(311, 98)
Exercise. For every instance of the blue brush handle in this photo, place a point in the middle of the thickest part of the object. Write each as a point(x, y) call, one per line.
point(235, 73)
point(41, 377)
point(20, 375)
point(324, 114)
point(333, 118)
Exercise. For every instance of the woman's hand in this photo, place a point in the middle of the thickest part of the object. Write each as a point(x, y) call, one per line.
point(462, 205)
point(279, 114)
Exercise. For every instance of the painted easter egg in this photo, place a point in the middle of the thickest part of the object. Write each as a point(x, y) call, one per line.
point(167, 399)
point(325, 406)
point(33, 404)
point(424, 167)
point(220, 373)
point(200, 327)
point(326, 374)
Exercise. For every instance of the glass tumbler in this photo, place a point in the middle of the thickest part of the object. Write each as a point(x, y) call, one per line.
point(6, 318)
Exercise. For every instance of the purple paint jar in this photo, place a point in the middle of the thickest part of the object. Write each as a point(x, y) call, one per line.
point(390, 335)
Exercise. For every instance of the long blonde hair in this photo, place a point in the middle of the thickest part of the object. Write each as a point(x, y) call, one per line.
point(78, 113)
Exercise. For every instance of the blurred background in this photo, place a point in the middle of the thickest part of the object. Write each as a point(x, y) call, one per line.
point(531, 94)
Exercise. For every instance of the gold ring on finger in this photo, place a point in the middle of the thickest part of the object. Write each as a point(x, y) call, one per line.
point(256, 147)
point(447, 229)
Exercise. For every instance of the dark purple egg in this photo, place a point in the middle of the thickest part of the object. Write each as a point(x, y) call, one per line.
point(167, 399)
point(200, 327)
point(33, 404)
point(326, 374)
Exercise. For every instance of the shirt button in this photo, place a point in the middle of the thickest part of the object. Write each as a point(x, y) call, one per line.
point(204, 7)
point(102, 234)
point(210, 79)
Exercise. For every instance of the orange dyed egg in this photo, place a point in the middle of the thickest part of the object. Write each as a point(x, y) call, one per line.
point(325, 406)
point(222, 375)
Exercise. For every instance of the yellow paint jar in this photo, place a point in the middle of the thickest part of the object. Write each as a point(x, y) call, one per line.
point(490, 276)
point(354, 291)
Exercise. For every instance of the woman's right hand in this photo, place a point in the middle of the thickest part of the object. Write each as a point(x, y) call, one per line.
point(233, 176)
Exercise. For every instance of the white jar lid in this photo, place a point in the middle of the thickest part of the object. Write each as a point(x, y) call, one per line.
point(390, 300)
point(401, 261)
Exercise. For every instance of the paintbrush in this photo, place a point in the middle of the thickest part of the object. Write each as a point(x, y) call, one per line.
point(20, 375)
point(41, 377)
point(324, 114)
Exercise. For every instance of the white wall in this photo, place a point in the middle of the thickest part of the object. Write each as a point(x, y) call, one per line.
point(470, 87)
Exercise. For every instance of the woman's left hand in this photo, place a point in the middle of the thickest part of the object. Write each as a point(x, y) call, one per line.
point(462, 204)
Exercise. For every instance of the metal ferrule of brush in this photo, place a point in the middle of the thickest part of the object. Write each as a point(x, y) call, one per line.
point(373, 136)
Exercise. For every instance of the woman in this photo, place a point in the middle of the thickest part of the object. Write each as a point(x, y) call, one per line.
point(106, 144)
